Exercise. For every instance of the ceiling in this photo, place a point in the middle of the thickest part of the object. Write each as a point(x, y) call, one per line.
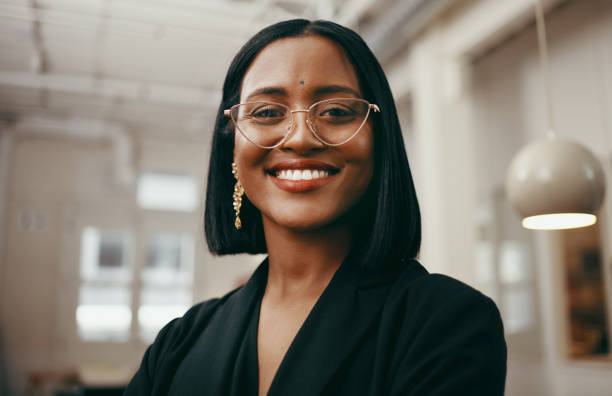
point(149, 66)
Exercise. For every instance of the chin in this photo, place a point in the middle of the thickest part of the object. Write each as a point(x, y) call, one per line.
point(302, 225)
point(303, 222)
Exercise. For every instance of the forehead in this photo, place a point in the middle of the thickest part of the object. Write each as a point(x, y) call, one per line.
point(299, 65)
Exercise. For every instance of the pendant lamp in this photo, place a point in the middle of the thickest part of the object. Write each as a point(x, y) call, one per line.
point(554, 183)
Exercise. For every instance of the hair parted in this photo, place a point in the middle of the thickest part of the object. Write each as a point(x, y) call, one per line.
point(389, 224)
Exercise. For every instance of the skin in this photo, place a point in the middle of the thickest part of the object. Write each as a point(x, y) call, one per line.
point(306, 239)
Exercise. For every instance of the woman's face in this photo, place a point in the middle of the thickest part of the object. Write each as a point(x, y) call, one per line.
point(298, 72)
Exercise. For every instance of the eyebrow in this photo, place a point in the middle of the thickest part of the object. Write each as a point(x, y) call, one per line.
point(328, 89)
point(267, 91)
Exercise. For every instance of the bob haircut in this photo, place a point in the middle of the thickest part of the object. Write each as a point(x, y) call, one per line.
point(387, 220)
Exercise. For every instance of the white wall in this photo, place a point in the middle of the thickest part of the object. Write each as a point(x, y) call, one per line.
point(476, 98)
point(468, 125)
point(65, 184)
point(508, 92)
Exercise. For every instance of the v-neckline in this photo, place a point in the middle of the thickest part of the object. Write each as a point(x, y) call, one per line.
point(307, 320)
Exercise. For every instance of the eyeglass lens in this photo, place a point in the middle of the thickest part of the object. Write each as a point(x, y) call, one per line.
point(333, 121)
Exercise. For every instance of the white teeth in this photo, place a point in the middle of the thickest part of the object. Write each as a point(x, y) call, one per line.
point(301, 174)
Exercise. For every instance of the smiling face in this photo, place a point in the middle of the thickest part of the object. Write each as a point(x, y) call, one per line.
point(303, 184)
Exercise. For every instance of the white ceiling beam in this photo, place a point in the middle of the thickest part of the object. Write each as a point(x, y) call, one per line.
point(208, 7)
point(69, 127)
point(320, 9)
point(88, 129)
point(400, 23)
point(468, 31)
point(352, 11)
point(133, 19)
point(113, 89)
point(487, 22)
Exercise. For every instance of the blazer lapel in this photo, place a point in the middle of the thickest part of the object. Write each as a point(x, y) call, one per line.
point(218, 346)
point(337, 323)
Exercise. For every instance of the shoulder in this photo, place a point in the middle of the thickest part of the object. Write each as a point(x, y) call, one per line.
point(452, 306)
point(447, 327)
point(445, 304)
point(194, 319)
point(177, 338)
point(420, 290)
point(172, 342)
point(182, 332)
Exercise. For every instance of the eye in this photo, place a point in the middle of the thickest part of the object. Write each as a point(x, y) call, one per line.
point(266, 114)
point(337, 112)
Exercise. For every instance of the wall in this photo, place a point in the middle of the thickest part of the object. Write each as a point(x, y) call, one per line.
point(508, 113)
point(475, 98)
point(508, 92)
point(55, 186)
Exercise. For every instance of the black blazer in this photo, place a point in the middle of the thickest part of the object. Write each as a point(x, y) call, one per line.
point(368, 334)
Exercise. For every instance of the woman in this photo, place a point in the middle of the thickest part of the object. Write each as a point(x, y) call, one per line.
point(308, 165)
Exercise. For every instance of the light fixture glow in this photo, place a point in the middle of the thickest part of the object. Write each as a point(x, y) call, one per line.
point(554, 183)
point(559, 221)
point(571, 194)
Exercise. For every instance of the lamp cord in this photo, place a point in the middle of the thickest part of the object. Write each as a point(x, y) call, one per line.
point(543, 47)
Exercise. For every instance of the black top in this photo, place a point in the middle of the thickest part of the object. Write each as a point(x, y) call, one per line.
point(410, 333)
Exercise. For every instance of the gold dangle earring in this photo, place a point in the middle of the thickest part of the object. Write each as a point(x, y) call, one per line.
point(238, 193)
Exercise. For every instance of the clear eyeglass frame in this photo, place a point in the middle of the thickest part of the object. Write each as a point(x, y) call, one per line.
point(370, 107)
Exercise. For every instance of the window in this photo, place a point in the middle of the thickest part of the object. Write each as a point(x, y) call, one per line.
point(107, 288)
point(104, 313)
point(504, 267)
point(104, 306)
point(136, 276)
point(515, 278)
point(166, 281)
point(166, 191)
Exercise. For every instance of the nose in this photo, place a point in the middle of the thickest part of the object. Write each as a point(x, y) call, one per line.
point(300, 138)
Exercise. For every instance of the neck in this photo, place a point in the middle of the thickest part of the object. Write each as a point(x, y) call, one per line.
point(301, 264)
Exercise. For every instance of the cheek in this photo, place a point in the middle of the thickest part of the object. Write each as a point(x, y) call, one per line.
point(359, 152)
point(358, 155)
point(246, 154)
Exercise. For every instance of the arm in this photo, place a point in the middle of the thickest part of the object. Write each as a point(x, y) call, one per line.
point(458, 350)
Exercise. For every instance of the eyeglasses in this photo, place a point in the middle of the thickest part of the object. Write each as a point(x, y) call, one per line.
point(332, 121)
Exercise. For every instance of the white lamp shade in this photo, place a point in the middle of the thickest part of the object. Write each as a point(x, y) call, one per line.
point(555, 184)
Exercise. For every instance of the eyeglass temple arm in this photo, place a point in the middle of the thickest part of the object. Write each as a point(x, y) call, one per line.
point(372, 106)
point(226, 112)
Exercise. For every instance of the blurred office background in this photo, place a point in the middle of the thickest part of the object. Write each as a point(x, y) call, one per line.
point(106, 112)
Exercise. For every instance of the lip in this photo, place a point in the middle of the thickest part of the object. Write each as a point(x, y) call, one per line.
point(302, 185)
